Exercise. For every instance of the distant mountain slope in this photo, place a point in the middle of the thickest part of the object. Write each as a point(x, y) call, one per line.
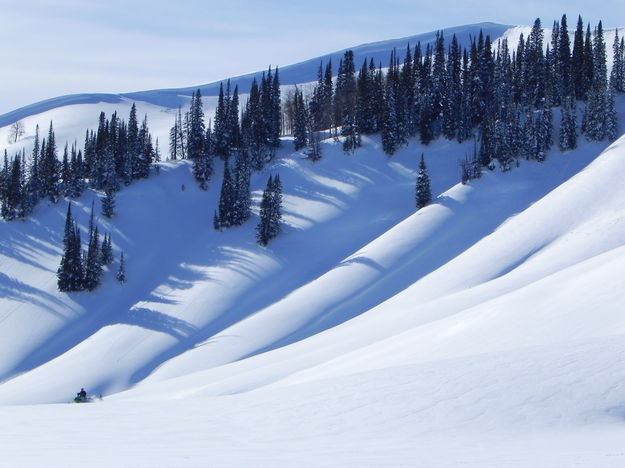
point(302, 72)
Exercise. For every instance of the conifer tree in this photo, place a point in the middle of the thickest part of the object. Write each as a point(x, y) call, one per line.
point(131, 158)
point(598, 117)
point(242, 175)
point(300, 127)
point(120, 276)
point(617, 76)
point(423, 190)
point(108, 204)
point(568, 125)
point(93, 265)
point(50, 168)
point(106, 252)
point(227, 199)
point(70, 271)
point(270, 211)
point(578, 61)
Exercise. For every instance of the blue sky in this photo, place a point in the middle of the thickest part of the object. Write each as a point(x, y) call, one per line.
point(73, 46)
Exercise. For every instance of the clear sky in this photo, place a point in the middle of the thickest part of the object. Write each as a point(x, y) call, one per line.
point(55, 47)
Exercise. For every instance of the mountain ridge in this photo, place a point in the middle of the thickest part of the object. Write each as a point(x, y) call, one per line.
point(298, 73)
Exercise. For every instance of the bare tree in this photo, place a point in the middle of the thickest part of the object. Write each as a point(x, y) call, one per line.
point(16, 131)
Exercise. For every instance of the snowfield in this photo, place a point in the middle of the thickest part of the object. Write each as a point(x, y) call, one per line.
point(486, 329)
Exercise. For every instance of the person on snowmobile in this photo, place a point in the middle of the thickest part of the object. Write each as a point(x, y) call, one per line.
point(82, 394)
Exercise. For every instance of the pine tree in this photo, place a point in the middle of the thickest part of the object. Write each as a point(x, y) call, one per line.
point(106, 251)
point(577, 61)
point(242, 173)
point(93, 265)
point(617, 76)
point(108, 204)
point(226, 209)
point(270, 211)
point(423, 190)
point(300, 127)
point(598, 117)
point(50, 168)
point(120, 276)
point(568, 125)
point(197, 129)
point(70, 272)
point(131, 158)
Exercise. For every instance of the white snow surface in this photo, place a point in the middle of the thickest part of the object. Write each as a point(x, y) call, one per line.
point(486, 329)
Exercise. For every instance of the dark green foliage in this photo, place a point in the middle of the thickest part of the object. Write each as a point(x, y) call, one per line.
point(270, 211)
point(120, 276)
point(568, 125)
point(108, 204)
point(106, 251)
point(50, 167)
point(70, 272)
point(225, 213)
point(423, 189)
point(301, 121)
point(92, 261)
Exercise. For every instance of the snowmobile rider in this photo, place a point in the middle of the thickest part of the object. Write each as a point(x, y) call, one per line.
point(82, 394)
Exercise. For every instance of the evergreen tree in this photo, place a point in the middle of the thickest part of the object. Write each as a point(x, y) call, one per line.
point(93, 265)
point(568, 125)
point(108, 204)
point(270, 211)
point(106, 251)
point(242, 175)
point(598, 117)
point(423, 190)
point(50, 168)
point(300, 127)
point(617, 76)
point(227, 200)
point(70, 271)
point(611, 117)
point(131, 158)
point(578, 61)
point(197, 129)
point(120, 276)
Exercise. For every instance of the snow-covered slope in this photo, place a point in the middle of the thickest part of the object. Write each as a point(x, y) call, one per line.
point(484, 329)
point(491, 318)
point(303, 72)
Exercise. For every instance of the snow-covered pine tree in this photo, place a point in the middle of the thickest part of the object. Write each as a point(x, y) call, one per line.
point(595, 122)
point(423, 189)
point(568, 124)
point(617, 78)
point(390, 139)
point(242, 173)
point(108, 204)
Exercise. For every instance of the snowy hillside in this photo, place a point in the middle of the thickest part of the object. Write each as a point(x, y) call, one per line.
point(484, 329)
point(303, 72)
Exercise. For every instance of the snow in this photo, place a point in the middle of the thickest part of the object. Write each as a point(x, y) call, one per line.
point(299, 73)
point(485, 329)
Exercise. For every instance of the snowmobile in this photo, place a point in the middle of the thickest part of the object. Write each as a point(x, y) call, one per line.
point(83, 399)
